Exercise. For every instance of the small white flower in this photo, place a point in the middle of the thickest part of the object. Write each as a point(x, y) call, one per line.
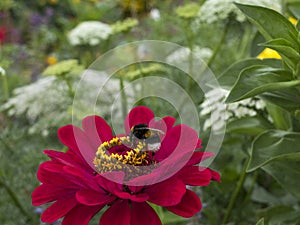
point(182, 55)
point(155, 14)
point(220, 113)
point(217, 10)
point(89, 33)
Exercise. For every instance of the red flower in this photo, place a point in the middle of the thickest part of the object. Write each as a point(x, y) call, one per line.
point(122, 172)
point(2, 34)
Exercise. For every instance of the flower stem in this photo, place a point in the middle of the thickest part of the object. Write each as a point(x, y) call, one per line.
point(248, 195)
point(235, 193)
point(70, 88)
point(16, 200)
point(219, 45)
point(123, 98)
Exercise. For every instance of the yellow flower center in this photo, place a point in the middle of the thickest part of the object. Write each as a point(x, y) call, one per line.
point(124, 159)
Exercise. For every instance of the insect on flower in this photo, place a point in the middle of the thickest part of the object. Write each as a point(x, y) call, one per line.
point(150, 136)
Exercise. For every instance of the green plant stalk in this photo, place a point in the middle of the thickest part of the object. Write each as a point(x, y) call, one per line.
point(248, 195)
point(189, 38)
point(70, 88)
point(219, 45)
point(245, 40)
point(123, 98)
point(16, 201)
point(5, 87)
point(236, 193)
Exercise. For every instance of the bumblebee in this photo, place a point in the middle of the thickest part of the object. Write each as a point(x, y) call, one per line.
point(150, 136)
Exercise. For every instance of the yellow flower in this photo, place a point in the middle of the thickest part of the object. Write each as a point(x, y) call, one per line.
point(53, 2)
point(268, 53)
point(293, 20)
point(51, 60)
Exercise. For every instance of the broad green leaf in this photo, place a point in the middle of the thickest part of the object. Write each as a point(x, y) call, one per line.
point(262, 195)
point(286, 171)
point(288, 99)
point(229, 76)
point(255, 48)
point(280, 215)
point(270, 23)
point(281, 118)
point(248, 125)
point(286, 50)
point(259, 79)
point(271, 145)
point(261, 222)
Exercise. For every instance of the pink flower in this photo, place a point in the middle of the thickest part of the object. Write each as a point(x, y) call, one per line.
point(122, 172)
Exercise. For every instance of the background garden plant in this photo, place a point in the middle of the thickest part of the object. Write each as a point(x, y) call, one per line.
point(259, 158)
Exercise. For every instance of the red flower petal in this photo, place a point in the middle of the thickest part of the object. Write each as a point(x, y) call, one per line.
point(58, 209)
point(81, 215)
point(47, 173)
point(76, 140)
point(69, 158)
point(117, 214)
point(176, 150)
point(143, 214)
point(97, 130)
point(195, 176)
point(166, 193)
point(91, 198)
point(169, 121)
point(51, 192)
point(190, 204)
point(138, 115)
point(197, 157)
point(215, 175)
point(111, 182)
point(179, 140)
point(80, 178)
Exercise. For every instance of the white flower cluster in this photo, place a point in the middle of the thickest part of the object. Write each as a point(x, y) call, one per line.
point(89, 33)
point(217, 10)
point(220, 113)
point(46, 103)
point(182, 55)
point(43, 103)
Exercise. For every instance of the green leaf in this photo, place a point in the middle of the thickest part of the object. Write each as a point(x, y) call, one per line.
point(261, 222)
point(259, 79)
point(264, 196)
point(286, 50)
point(229, 76)
point(281, 118)
point(272, 145)
point(279, 215)
point(271, 24)
point(286, 171)
point(248, 125)
point(288, 99)
point(255, 48)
